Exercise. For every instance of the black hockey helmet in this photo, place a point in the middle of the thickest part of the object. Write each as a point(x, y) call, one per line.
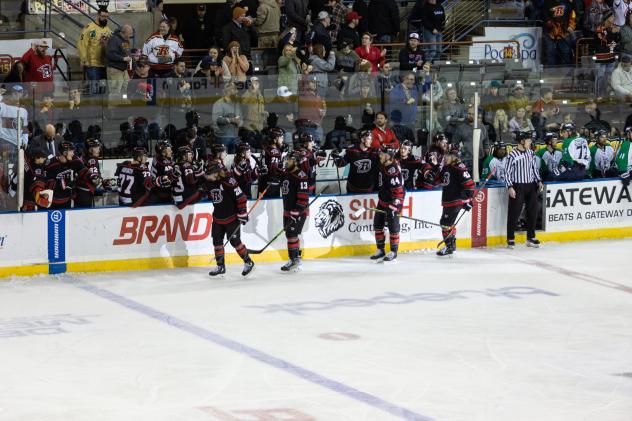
point(568, 127)
point(304, 138)
point(35, 153)
point(438, 138)
point(217, 148)
point(499, 145)
point(407, 143)
point(549, 136)
point(523, 135)
point(183, 151)
point(192, 118)
point(92, 143)
point(243, 147)
point(139, 152)
point(391, 152)
point(161, 146)
point(363, 134)
point(454, 149)
point(213, 168)
point(65, 146)
point(276, 132)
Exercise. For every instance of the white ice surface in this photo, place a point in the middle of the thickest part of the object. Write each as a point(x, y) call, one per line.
point(560, 349)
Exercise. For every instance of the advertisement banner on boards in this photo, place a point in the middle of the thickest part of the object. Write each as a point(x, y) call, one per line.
point(528, 37)
point(23, 239)
point(586, 205)
point(37, 7)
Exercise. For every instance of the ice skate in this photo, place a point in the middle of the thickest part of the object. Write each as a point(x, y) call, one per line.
point(533, 242)
point(390, 258)
point(293, 265)
point(511, 244)
point(249, 266)
point(447, 250)
point(378, 255)
point(219, 271)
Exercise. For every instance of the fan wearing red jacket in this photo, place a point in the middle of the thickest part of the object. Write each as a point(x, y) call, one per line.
point(390, 201)
point(382, 135)
point(373, 55)
point(38, 67)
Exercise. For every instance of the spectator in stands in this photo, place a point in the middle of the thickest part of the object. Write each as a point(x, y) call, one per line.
point(119, 60)
point(361, 7)
point(16, 73)
point(384, 20)
point(368, 52)
point(140, 87)
point(315, 7)
point(626, 36)
point(216, 68)
point(320, 34)
point(236, 62)
point(290, 68)
point(429, 83)
point(338, 15)
point(382, 134)
point(349, 32)
point(162, 48)
point(197, 29)
point(321, 65)
point(239, 29)
point(364, 76)
point(546, 101)
point(227, 118)
point(268, 23)
point(312, 108)
point(297, 17)
point(48, 141)
point(520, 122)
point(559, 25)
point(253, 107)
point(621, 80)
point(411, 56)
point(386, 80)
point(605, 42)
point(401, 132)
point(39, 67)
point(596, 14)
point(501, 127)
point(517, 99)
point(433, 23)
point(159, 13)
point(347, 60)
point(173, 24)
point(451, 109)
point(91, 46)
point(363, 107)
point(492, 100)
point(621, 9)
point(341, 136)
point(463, 135)
point(405, 97)
point(283, 109)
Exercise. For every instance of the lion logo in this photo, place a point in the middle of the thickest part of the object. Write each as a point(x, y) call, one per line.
point(330, 218)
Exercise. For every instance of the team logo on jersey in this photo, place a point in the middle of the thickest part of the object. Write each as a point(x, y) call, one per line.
point(330, 218)
point(445, 179)
point(363, 165)
point(405, 173)
point(216, 195)
point(162, 51)
point(285, 187)
point(46, 71)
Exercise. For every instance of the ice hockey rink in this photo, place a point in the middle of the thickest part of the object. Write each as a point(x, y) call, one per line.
point(490, 334)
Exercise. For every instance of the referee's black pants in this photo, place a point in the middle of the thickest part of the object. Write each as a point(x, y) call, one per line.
point(526, 194)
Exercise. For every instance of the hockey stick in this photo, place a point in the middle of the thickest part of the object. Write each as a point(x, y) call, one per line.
point(251, 208)
point(362, 210)
point(286, 226)
point(476, 192)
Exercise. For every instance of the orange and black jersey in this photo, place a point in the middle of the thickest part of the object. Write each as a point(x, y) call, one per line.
point(295, 192)
point(390, 184)
point(62, 178)
point(186, 189)
point(85, 182)
point(362, 167)
point(34, 181)
point(409, 167)
point(457, 185)
point(228, 199)
point(134, 182)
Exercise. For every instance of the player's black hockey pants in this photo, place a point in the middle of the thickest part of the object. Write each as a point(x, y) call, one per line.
point(292, 232)
point(391, 220)
point(448, 218)
point(219, 232)
point(526, 194)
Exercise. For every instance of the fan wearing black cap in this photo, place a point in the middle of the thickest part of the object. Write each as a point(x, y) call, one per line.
point(390, 195)
point(230, 208)
point(35, 196)
point(189, 176)
point(523, 184)
point(87, 186)
point(134, 179)
point(363, 163)
point(575, 154)
point(245, 169)
point(62, 172)
point(457, 191)
point(549, 157)
point(602, 157)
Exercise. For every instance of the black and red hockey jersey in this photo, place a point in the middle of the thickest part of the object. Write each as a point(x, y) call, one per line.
point(390, 185)
point(428, 176)
point(228, 200)
point(308, 164)
point(272, 158)
point(134, 182)
point(457, 185)
point(161, 167)
point(186, 188)
point(94, 173)
point(409, 167)
point(34, 182)
point(295, 192)
point(362, 168)
point(62, 178)
point(245, 172)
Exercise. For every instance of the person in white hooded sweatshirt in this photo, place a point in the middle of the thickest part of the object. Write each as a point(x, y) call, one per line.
point(621, 79)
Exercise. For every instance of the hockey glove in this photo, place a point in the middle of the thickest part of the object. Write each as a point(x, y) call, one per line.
point(96, 180)
point(163, 182)
point(394, 208)
point(625, 178)
point(294, 216)
point(430, 176)
point(322, 154)
point(42, 199)
point(242, 218)
point(263, 168)
point(467, 205)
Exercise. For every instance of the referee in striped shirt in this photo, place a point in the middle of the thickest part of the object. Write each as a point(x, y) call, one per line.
point(523, 185)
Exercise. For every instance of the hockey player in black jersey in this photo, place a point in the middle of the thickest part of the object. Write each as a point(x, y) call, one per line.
point(390, 201)
point(295, 193)
point(87, 185)
point(245, 169)
point(217, 156)
point(310, 158)
point(363, 163)
point(432, 163)
point(409, 163)
point(35, 195)
point(272, 153)
point(62, 173)
point(162, 167)
point(457, 191)
point(229, 210)
point(134, 180)
point(189, 176)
